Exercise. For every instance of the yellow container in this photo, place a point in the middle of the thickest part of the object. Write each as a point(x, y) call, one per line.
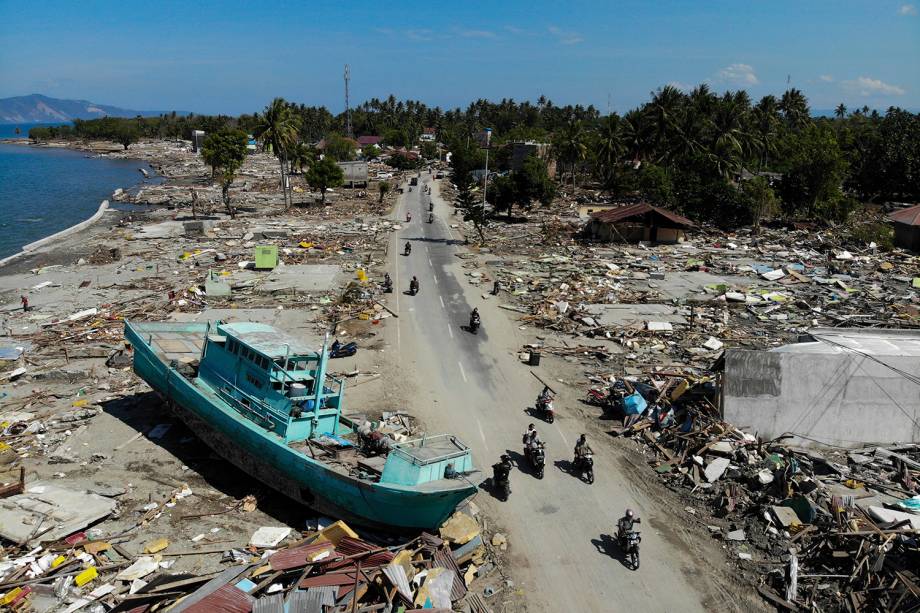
point(86, 576)
point(10, 596)
point(58, 561)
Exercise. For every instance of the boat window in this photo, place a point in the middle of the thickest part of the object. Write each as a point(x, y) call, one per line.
point(254, 381)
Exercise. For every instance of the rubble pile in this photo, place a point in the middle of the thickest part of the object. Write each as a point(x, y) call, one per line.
point(331, 568)
point(833, 531)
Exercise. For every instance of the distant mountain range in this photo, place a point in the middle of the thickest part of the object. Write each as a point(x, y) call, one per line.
point(36, 108)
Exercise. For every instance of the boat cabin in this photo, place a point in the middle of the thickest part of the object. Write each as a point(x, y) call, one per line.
point(274, 379)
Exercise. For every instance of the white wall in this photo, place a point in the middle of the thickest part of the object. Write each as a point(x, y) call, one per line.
point(839, 399)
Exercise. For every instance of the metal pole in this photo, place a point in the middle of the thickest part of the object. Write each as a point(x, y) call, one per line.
point(485, 188)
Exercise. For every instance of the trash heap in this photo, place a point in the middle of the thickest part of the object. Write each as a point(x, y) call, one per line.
point(830, 530)
point(331, 569)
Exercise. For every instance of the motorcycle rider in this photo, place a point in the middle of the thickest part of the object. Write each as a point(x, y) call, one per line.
point(544, 398)
point(413, 285)
point(625, 523)
point(430, 217)
point(582, 448)
point(501, 471)
point(474, 318)
point(531, 438)
point(387, 282)
point(408, 248)
point(408, 215)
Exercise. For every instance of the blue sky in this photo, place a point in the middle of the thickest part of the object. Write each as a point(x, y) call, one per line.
point(232, 57)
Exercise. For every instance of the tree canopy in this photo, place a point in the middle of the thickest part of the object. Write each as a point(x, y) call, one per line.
point(225, 151)
point(325, 174)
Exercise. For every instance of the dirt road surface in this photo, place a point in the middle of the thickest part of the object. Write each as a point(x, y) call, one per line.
point(560, 528)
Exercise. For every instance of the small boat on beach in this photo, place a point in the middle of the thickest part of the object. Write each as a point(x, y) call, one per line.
point(263, 400)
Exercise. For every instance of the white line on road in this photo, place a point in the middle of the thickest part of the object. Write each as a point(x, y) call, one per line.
point(429, 263)
point(463, 374)
point(442, 302)
point(450, 330)
point(482, 434)
point(435, 279)
point(561, 434)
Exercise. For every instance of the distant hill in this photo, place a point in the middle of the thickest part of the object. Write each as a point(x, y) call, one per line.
point(37, 108)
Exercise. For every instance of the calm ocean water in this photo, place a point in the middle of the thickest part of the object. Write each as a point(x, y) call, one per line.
point(43, 191)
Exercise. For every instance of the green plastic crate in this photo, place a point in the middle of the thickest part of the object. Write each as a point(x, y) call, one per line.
point(266, 256)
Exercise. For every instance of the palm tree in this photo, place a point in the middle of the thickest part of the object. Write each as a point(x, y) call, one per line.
point(570, 146)
point(794, 106)
point(665, 108)
point(766, 122)
point(278, 127)
point(841, 111)
point(610, 146)
point(729, 140)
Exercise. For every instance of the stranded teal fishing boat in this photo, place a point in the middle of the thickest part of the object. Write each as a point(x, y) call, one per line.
point(264, 401)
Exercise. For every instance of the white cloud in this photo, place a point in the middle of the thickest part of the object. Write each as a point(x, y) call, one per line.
point(566, 37)
point(907, 9)
point(865, 86)
point(420, 35)
point(684, 87)
point(738, 74)
point(826, 78)
point(477, 34)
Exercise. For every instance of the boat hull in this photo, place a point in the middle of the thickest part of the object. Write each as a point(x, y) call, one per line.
point(265, 457)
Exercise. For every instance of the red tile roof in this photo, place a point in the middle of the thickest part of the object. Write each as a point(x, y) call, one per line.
point(626, 211)
point(909, 216)
point(369, 140)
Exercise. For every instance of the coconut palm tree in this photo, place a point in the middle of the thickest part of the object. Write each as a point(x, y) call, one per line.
point(610, 146)
point(278, 128)
point(841, 111)
point(766, 122)
point(794, 106)
point(665, 109)
point(570, 145)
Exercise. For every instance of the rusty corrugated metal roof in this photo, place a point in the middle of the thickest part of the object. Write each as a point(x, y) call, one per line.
point(626, 211)
point(273, 603)
point(909, 216)
point(445, 560)
point(226, 599)
point(342, 577)
point(297, 557)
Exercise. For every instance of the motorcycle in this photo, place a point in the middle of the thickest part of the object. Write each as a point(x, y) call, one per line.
point(408, 249)
point(474, 325)
point(430, 217)
point(430, 206)
point(388, 287)
point(584, 467)
point(501, 480)
point(537, 458)
point(545, 409)
point(338, 350)
point(413, 287)
point(629, 543)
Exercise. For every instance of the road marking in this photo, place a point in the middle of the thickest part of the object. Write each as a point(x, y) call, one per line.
point(450, 329)
point(442, 302)
point(561, 434)
point(435, 279)
point(463, 374)
point(429, 263)
point(482, 435)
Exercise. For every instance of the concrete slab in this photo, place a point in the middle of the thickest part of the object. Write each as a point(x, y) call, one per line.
point(300, 278)
point(164, 229)
point(48, 512)
point(623, 314)
point(681, 284)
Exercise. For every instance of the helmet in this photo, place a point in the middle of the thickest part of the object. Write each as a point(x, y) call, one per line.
point(629, 513)
point(530, 427)
point(506, 457)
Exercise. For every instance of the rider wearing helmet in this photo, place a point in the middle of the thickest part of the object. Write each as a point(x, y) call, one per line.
point(625, 524)
point(582, 448)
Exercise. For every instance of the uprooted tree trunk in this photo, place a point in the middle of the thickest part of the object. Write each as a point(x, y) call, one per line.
point(225, 191)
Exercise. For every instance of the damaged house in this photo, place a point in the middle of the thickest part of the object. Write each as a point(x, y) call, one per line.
point(845, 387)
point(633, 223)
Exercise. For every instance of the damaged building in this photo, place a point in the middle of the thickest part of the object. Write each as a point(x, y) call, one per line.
point(845, 387)
point(633, 223)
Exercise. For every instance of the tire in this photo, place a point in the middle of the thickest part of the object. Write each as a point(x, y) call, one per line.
point(590, 476)
point(634, 560)
point(540, 473)
point(550, 418)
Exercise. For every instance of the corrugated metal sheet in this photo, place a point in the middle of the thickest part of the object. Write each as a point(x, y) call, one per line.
point(445, 560)
point(226, 599)
point(346, 577)
point(350, 546)
point(312, 600)
point(626, 211)
point(397, 576)
point(476, 603)
point(297, 557)
point(273, 603)
point(909, 216)
point(225, 577)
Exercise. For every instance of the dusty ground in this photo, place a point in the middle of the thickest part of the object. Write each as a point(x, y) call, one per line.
point(561, 555)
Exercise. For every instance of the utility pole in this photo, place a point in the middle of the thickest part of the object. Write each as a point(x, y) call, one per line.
point(347, 105)
point(485, 187)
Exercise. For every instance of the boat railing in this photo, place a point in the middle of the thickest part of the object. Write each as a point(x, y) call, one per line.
point(404, 450)
point(260, 405)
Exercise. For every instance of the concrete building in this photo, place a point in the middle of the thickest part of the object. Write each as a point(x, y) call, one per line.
point(521, 150)
point(355, 172)
point(638, 222)
point(847, 387)
point(907, 228)
point(427, 135)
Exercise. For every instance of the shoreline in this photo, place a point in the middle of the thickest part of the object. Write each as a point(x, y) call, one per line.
point(80, 226)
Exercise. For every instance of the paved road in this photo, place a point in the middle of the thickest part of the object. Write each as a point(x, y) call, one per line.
point(475, 387)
